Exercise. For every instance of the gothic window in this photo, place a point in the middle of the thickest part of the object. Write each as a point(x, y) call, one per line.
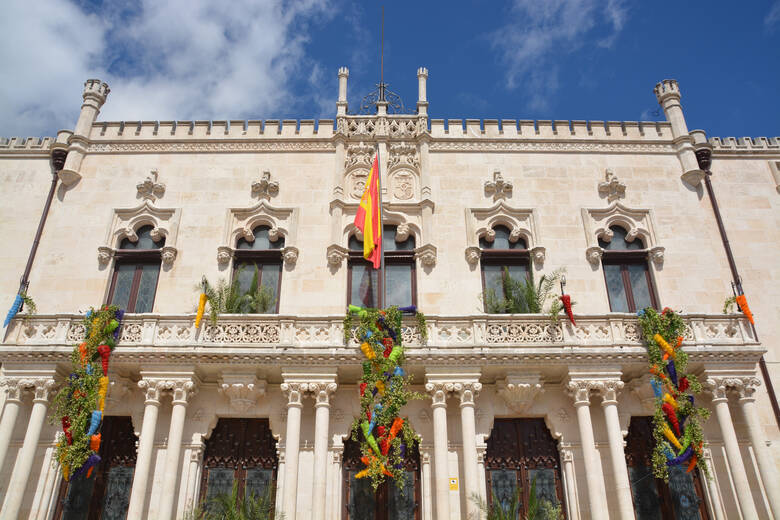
point(680, 499)
point(519, 452)
point(501, 256)
point(388, 502)
point(258, 269)
point(106, 493)
point(628, 279)
point(137, 267)
point(364, 282)
point(241, 451)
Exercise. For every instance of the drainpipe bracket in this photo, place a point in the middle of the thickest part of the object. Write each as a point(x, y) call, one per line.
point(69, 177)
point(693, 177)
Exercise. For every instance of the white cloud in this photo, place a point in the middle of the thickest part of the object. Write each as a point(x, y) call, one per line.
point(773, 16)
point(541, 30)
point(178, 59)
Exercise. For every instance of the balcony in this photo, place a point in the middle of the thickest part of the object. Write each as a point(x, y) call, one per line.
point(501, 338)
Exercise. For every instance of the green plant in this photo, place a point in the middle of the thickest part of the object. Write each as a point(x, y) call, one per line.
point(538, 508)
point(227, 298)
point(728, 305)
point(29, 304)
point(523, 296)
point(231, 507)
point(261, 297)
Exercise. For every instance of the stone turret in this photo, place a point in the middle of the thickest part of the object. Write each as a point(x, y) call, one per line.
point(668, 94)
point(341, 104)
point(95, 93)
point(422, 94)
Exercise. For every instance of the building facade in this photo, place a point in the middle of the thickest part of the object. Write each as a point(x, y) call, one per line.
point(143, 210)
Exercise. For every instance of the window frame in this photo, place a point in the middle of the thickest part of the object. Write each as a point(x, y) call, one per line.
point(624, 259)
point(263, 257)
point(138, 257)
point(503, 258)
point(396, 257)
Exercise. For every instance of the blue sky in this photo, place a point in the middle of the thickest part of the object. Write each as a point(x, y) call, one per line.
point(517, 59)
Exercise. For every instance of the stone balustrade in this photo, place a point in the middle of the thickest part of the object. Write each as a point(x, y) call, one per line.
point(326, 332)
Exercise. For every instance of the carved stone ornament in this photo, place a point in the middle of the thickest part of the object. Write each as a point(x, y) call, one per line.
point(293, 391)
point(639, 224)
point(579, 390)
point(182, 389)
point(426, 255)
point(224, 254)
point(405, 154)
point(480, 223)
point(336, 254)
point(538, 254)
point(321, 391)
point(265, 188)
point(13, 388)
point(290, 255)
point(125, 223)
point(467, 391)
point(519, 392)
point(359, 154)
point(498, 188)
point(473, 255)
point(282, 222)
point(357, 183)
point(612, 188)
point(403, 184)
point(439, 392)
point(609, 390)
point(150, 189)
point(242, 390)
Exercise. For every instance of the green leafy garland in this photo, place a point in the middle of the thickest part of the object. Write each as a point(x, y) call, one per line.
point(677, 421)
point(382, 434)
point(78, 406)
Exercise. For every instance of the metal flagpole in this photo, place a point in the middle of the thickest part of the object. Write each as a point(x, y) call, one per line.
point(382, 279)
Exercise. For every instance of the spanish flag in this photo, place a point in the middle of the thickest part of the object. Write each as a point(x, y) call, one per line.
point(368, 218)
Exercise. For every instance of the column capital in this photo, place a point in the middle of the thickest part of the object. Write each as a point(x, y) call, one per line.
point(41, 387)
point(293, 391)
point(579, 390)
point(13, 388)
point(718, 387)
point(609, 390)
point(242, 390)
point(151, 389)
point(467, 391)
point(746, 386)
point(321, 391)
point(438, 391)
point(196, 452)
point(182, 389)
point(519, 391)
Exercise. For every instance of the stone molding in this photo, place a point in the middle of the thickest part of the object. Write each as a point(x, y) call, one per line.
point(520, 222)
point(125, 223)
point(637, 223)
point(520, 390)
point(211, 146)
point(549, 146)
point(241, 222)
point(242, 390)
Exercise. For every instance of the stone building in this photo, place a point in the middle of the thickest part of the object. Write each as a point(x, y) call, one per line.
point(142, 210)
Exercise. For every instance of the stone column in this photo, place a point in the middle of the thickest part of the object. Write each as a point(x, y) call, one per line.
point(292, 440)
point(718, 387)
point(26, 457)
point(609, 391)
point(151, 389)
point(441, 486)
point(322, 393)
point(569, 481)
point(94, 95)
point(427, 494)
point(746, 386)
point(422, 91)
point(668, 94)
point(467, 393)
point(341, 104)
point(183, 390)
point(13, 401)
point(193, 476)
point(712, 488)
point(580, 389)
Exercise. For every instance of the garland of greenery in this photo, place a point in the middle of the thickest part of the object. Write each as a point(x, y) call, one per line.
point(382, 434)
point(677, 421)
point(78, 406)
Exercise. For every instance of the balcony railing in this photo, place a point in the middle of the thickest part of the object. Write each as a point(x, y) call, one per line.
point(313, 332)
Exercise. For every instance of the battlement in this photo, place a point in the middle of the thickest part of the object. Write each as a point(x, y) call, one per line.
point(29, 144)
point(667, 88)
point(735, 144)
point(549, 129)
point(226, 129)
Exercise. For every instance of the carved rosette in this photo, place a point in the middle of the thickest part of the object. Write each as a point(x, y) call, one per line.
point(439, 392)
point(519, 392)
point(242, 394)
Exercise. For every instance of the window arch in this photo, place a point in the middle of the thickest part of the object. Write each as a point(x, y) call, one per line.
point(257, 268)
point(364, 283)
point(626, 273)
point(136, 270)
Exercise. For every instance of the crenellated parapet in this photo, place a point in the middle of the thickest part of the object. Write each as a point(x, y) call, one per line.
point(732, 145)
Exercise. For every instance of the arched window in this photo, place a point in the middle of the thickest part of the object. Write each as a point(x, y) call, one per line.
point(240, 451)
point(258, 269)
point(629, 284)
point(106, 494)
point(388, 502)
point(682, 497)
point(137, 267)
point(519, 452)
point(502, 256)
point(364, 284)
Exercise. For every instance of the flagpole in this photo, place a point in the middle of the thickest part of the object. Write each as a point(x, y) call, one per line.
point(383, 292)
